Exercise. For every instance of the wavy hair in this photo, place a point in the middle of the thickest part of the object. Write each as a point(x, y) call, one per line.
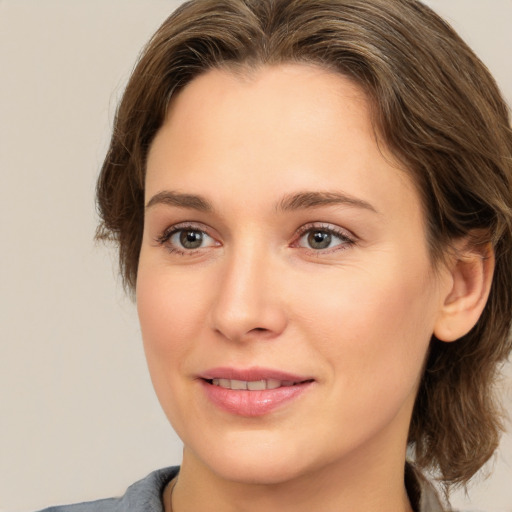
point(434, 105)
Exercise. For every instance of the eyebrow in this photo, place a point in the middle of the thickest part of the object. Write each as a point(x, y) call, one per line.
point(291, 202)
point(304, 200)
point(170, 198)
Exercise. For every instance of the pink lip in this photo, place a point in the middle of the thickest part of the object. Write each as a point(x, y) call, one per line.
point(252, 403)
point(251, 374)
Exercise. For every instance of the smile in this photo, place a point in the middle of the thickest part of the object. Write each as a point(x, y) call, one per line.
point(254, 385)
point(254, 391)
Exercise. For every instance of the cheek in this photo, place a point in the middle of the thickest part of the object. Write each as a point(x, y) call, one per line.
point(171, 316)
point(169, 309)
point(373, 329)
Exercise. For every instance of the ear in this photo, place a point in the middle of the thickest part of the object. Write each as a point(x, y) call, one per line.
point(471, 269)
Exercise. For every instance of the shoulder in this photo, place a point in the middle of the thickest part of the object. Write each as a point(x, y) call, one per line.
point(142, 496)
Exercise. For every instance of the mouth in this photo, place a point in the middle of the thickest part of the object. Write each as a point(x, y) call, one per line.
point(252, 392)
point(254, 385)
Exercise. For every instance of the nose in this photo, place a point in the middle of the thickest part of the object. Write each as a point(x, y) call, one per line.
point(248, 303)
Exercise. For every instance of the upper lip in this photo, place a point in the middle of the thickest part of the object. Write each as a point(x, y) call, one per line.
point(251, 374)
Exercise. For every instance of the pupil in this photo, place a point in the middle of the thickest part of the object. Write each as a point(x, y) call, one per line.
point(319, 240)
point(191, 239)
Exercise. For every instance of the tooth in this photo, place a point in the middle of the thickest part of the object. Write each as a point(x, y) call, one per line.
point(256, 385)
point(273, 384)
point(238, 384)
point(225, 383)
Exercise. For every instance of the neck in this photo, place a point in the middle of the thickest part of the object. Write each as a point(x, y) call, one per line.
point(365, 486)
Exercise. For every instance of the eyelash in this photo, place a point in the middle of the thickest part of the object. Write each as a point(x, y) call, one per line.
point(164, 238)
point(346, 238)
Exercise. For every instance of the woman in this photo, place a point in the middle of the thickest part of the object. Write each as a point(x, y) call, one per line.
point(312, 205)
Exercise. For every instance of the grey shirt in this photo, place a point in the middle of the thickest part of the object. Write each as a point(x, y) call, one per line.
point(146, 495)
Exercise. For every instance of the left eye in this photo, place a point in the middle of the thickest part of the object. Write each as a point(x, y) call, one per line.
point(321, 239)
point(190, 239)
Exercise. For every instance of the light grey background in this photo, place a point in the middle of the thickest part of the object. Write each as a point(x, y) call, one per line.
point(78, 416)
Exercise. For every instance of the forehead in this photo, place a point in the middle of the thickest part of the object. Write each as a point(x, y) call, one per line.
point(260, 103)
point(295, 127)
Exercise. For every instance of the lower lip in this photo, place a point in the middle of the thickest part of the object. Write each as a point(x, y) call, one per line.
point(253, 403)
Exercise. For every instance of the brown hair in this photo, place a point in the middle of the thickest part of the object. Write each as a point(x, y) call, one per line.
point(437, 109)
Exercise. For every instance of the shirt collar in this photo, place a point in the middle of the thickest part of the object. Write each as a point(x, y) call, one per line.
point(422, 494)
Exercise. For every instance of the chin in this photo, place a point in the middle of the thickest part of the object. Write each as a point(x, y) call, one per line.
point(257, 459)
point(263, 471)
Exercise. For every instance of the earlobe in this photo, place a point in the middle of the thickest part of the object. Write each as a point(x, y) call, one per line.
point(471, 270)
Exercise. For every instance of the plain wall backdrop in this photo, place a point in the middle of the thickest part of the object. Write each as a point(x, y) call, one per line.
point(78, 416)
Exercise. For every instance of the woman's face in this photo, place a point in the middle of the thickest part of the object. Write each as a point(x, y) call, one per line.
point(283, 252)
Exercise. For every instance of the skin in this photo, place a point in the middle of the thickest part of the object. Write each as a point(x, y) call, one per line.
point(357, 317)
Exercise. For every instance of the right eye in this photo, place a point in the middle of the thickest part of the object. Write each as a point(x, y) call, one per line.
point(187, 239)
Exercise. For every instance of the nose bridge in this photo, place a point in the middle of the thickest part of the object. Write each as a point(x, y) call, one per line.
point(247, 302)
